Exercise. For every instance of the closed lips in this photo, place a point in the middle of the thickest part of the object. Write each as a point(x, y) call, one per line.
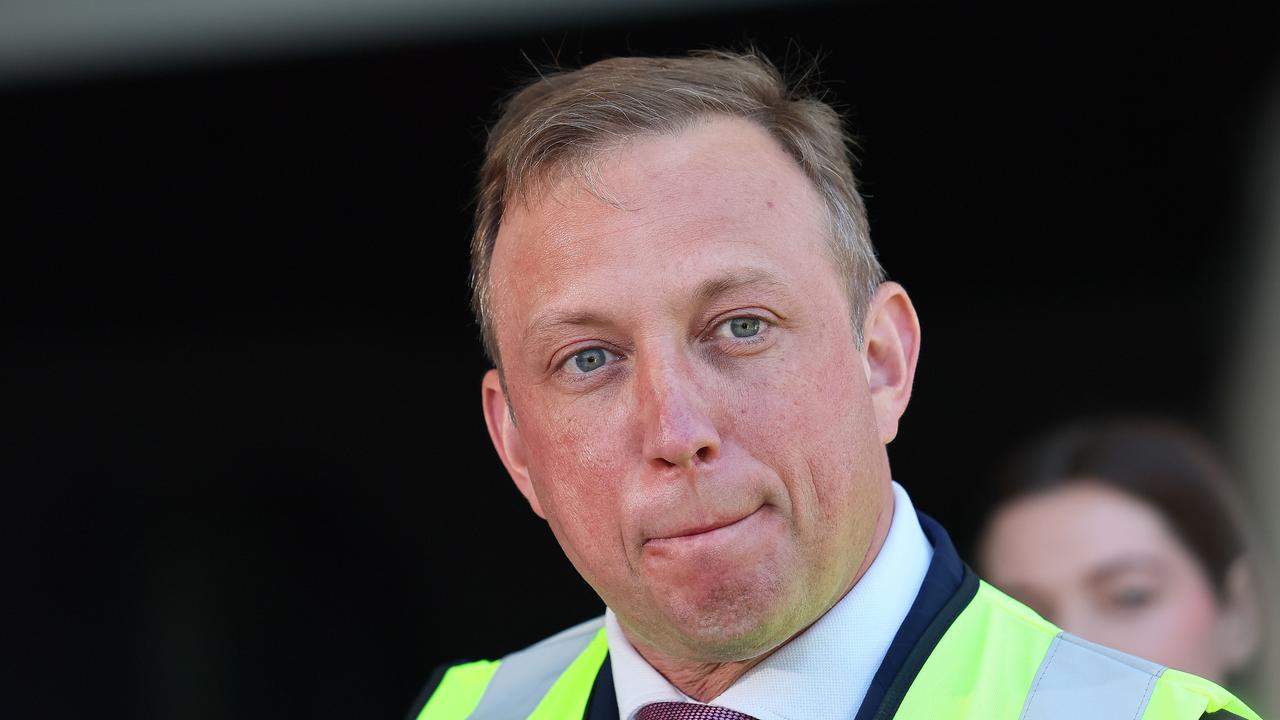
point(698, 530)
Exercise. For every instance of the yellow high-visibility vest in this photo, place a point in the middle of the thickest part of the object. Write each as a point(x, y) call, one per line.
point(973, 654)
point(997, 660)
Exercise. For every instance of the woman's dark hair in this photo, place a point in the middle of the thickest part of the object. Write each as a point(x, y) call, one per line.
point(1175, 471)
point(1167, 466)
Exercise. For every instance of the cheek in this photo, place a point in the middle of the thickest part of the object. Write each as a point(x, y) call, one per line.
point(812, 423)
point(572, 466)
point(1188, 624)
point(1177, 632)
point(576, 463)
point(818, 393)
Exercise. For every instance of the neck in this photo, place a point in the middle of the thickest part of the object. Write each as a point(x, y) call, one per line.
point(704, 681)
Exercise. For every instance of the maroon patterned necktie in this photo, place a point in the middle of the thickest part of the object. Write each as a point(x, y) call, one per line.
point(688, 711)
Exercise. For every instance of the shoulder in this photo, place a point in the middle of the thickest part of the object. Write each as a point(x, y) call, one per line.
point(453, 690)
point(993, 620)
point(1069, 664)
point(1177, 692)
point(560, 665)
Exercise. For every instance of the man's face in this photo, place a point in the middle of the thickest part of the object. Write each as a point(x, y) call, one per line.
point(692, 416)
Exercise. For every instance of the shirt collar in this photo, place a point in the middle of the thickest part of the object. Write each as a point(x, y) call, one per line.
point(824, 671)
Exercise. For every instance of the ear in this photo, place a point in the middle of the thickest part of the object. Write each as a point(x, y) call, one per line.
point(1240, 623)
point(891, 346)
point(506, 436)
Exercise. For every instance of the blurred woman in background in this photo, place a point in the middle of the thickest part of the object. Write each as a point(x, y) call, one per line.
point(1127, 534)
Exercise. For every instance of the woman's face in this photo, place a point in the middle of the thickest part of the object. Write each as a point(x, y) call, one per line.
point(1104, 565)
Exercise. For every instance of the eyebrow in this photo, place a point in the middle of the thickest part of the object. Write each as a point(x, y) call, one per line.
point(1122, 565)
point(727, 282)
point(544, 326)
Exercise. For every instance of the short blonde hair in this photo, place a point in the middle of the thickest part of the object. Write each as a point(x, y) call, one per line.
point(565, 118)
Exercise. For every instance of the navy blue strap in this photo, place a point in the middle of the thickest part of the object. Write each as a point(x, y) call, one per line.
point(948, 587)
point(603, 703)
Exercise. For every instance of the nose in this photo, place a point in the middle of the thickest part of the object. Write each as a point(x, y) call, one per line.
point(678, 429)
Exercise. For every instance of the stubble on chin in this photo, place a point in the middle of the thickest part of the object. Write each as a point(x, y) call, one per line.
point(730, 622)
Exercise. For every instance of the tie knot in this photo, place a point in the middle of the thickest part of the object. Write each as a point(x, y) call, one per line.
point(688, 711)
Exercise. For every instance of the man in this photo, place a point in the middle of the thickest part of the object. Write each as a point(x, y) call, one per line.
point(697, 368)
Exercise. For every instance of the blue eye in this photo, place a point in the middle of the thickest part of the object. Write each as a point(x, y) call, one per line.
point(741, 327)
point(744, 326)
point(588, 360)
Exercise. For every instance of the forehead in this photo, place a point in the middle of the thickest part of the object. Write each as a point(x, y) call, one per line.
point(1082, 524)
point(657, 215)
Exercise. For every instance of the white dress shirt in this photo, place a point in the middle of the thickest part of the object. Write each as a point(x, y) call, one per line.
point(823, 672)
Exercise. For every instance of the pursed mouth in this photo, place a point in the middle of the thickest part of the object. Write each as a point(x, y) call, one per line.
point(701, 530)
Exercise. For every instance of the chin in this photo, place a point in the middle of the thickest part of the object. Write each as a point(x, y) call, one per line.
point(733, 625)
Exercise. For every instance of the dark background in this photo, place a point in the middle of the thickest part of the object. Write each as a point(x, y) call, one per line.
point(245, 471)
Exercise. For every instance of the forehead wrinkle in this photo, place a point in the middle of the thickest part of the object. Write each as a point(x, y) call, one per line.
point(735, 279)
point(567, 246)
point(572, 237)
point(575, 239)
point(547, 325)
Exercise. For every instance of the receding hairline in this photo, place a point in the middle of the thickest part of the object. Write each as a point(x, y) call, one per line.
point(583, 166)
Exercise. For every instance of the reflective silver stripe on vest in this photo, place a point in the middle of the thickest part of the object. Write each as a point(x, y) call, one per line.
point(525, 676)
point(1080, 679)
